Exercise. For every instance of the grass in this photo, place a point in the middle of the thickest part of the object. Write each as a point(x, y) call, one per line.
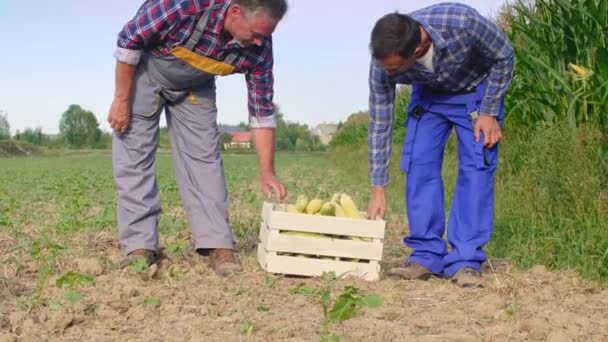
point(552, 201)
point(551, 196)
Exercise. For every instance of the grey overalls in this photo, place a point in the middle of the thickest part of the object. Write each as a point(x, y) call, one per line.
point(183, 84)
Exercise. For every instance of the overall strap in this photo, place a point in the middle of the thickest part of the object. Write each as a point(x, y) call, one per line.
point(200, 28)
point(231, 58)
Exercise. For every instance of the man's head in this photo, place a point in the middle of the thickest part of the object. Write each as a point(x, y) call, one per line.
point(396, 42)
point(250, 21)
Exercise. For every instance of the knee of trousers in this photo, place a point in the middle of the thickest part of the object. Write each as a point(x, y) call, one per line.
point(424, 170)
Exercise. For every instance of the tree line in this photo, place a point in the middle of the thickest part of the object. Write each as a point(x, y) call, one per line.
point(79, 128)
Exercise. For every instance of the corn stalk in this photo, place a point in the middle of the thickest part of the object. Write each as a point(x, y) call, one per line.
point(561, 49)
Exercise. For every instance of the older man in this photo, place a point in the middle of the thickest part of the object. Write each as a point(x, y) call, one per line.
point(460, 65)
point(168, 57)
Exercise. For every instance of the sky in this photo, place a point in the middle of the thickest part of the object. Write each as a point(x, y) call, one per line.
point(57, 53)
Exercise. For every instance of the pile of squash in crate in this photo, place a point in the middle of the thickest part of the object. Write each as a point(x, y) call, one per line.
point(310, 237)
point(340, 205)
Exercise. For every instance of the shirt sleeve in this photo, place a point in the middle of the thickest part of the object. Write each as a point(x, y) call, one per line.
point(260, 83)
point(492, 43)
point(153, 21)
point(381, 116)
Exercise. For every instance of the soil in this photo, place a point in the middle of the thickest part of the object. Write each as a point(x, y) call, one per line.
point(182, 299)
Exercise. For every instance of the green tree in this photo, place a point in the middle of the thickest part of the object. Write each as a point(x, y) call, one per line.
point(79, 127)
point(291, 136)
point(353, 131)
point(5, 127)
point(244, 126)
point(104, 142)
point(33, 136)
point(225, 139)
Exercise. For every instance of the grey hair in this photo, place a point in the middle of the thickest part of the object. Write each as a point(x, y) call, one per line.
point(275, 8)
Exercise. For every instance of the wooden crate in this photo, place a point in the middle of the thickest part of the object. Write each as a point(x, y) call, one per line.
point(280, 252)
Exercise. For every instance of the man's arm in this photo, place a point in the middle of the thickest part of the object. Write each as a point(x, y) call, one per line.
point(493, 44)
point(381, 114)
point(264, 139)
point(380, 135)
point(260, 91)
point(153, 20)
point(118, 117)
point(262, 120)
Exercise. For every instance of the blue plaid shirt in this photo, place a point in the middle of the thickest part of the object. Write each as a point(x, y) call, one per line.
point(468, 49)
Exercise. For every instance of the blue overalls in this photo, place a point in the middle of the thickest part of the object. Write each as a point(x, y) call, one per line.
point(431, 117)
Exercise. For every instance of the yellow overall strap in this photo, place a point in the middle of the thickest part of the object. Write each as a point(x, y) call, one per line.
point(203, 63)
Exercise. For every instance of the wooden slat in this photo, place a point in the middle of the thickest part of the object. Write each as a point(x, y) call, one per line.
point(262, 256)
point(266, 212)
point(325, 246)
point(264, 231)
point(278, 220)
point(316, 267)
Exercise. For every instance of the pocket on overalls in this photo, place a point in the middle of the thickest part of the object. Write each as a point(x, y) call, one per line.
point(485, 158)
point(146, 100)
point(480, 153)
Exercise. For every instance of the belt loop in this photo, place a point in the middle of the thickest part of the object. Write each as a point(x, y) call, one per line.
point(418, 111)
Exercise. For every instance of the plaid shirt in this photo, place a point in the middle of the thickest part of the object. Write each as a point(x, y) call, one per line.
point(468, 49)
point(160, 25)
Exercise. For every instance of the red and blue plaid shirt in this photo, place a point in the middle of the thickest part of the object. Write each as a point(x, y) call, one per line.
point(160, 25)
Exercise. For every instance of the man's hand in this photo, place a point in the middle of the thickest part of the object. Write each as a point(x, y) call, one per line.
point(118, 118)
point(271, 184)
point(120, 111)
point(264, 143)
point(377, 204)
point(490, 128)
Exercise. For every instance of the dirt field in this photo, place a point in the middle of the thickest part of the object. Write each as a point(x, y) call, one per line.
point(185, 300)
point(58, 277)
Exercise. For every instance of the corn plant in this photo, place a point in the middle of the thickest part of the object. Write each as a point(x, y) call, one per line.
point(561, 49)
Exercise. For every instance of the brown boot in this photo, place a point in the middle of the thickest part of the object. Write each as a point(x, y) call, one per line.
point(410, 271)
point(467, 277)
point(224, 261)
point(148, 255)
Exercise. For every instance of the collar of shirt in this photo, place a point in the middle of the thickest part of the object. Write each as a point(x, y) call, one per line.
point(218, 18)
point(437, 39)
point(427, 60)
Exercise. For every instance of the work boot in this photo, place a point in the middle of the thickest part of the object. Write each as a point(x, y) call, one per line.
point(410, 271)
point(148, 255)
point(467, 277)
point(223, 261)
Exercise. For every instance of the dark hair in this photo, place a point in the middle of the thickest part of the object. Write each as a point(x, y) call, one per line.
point(395, 34)
point(276, 8)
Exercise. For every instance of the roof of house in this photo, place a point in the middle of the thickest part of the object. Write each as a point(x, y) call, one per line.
point(241, 137)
